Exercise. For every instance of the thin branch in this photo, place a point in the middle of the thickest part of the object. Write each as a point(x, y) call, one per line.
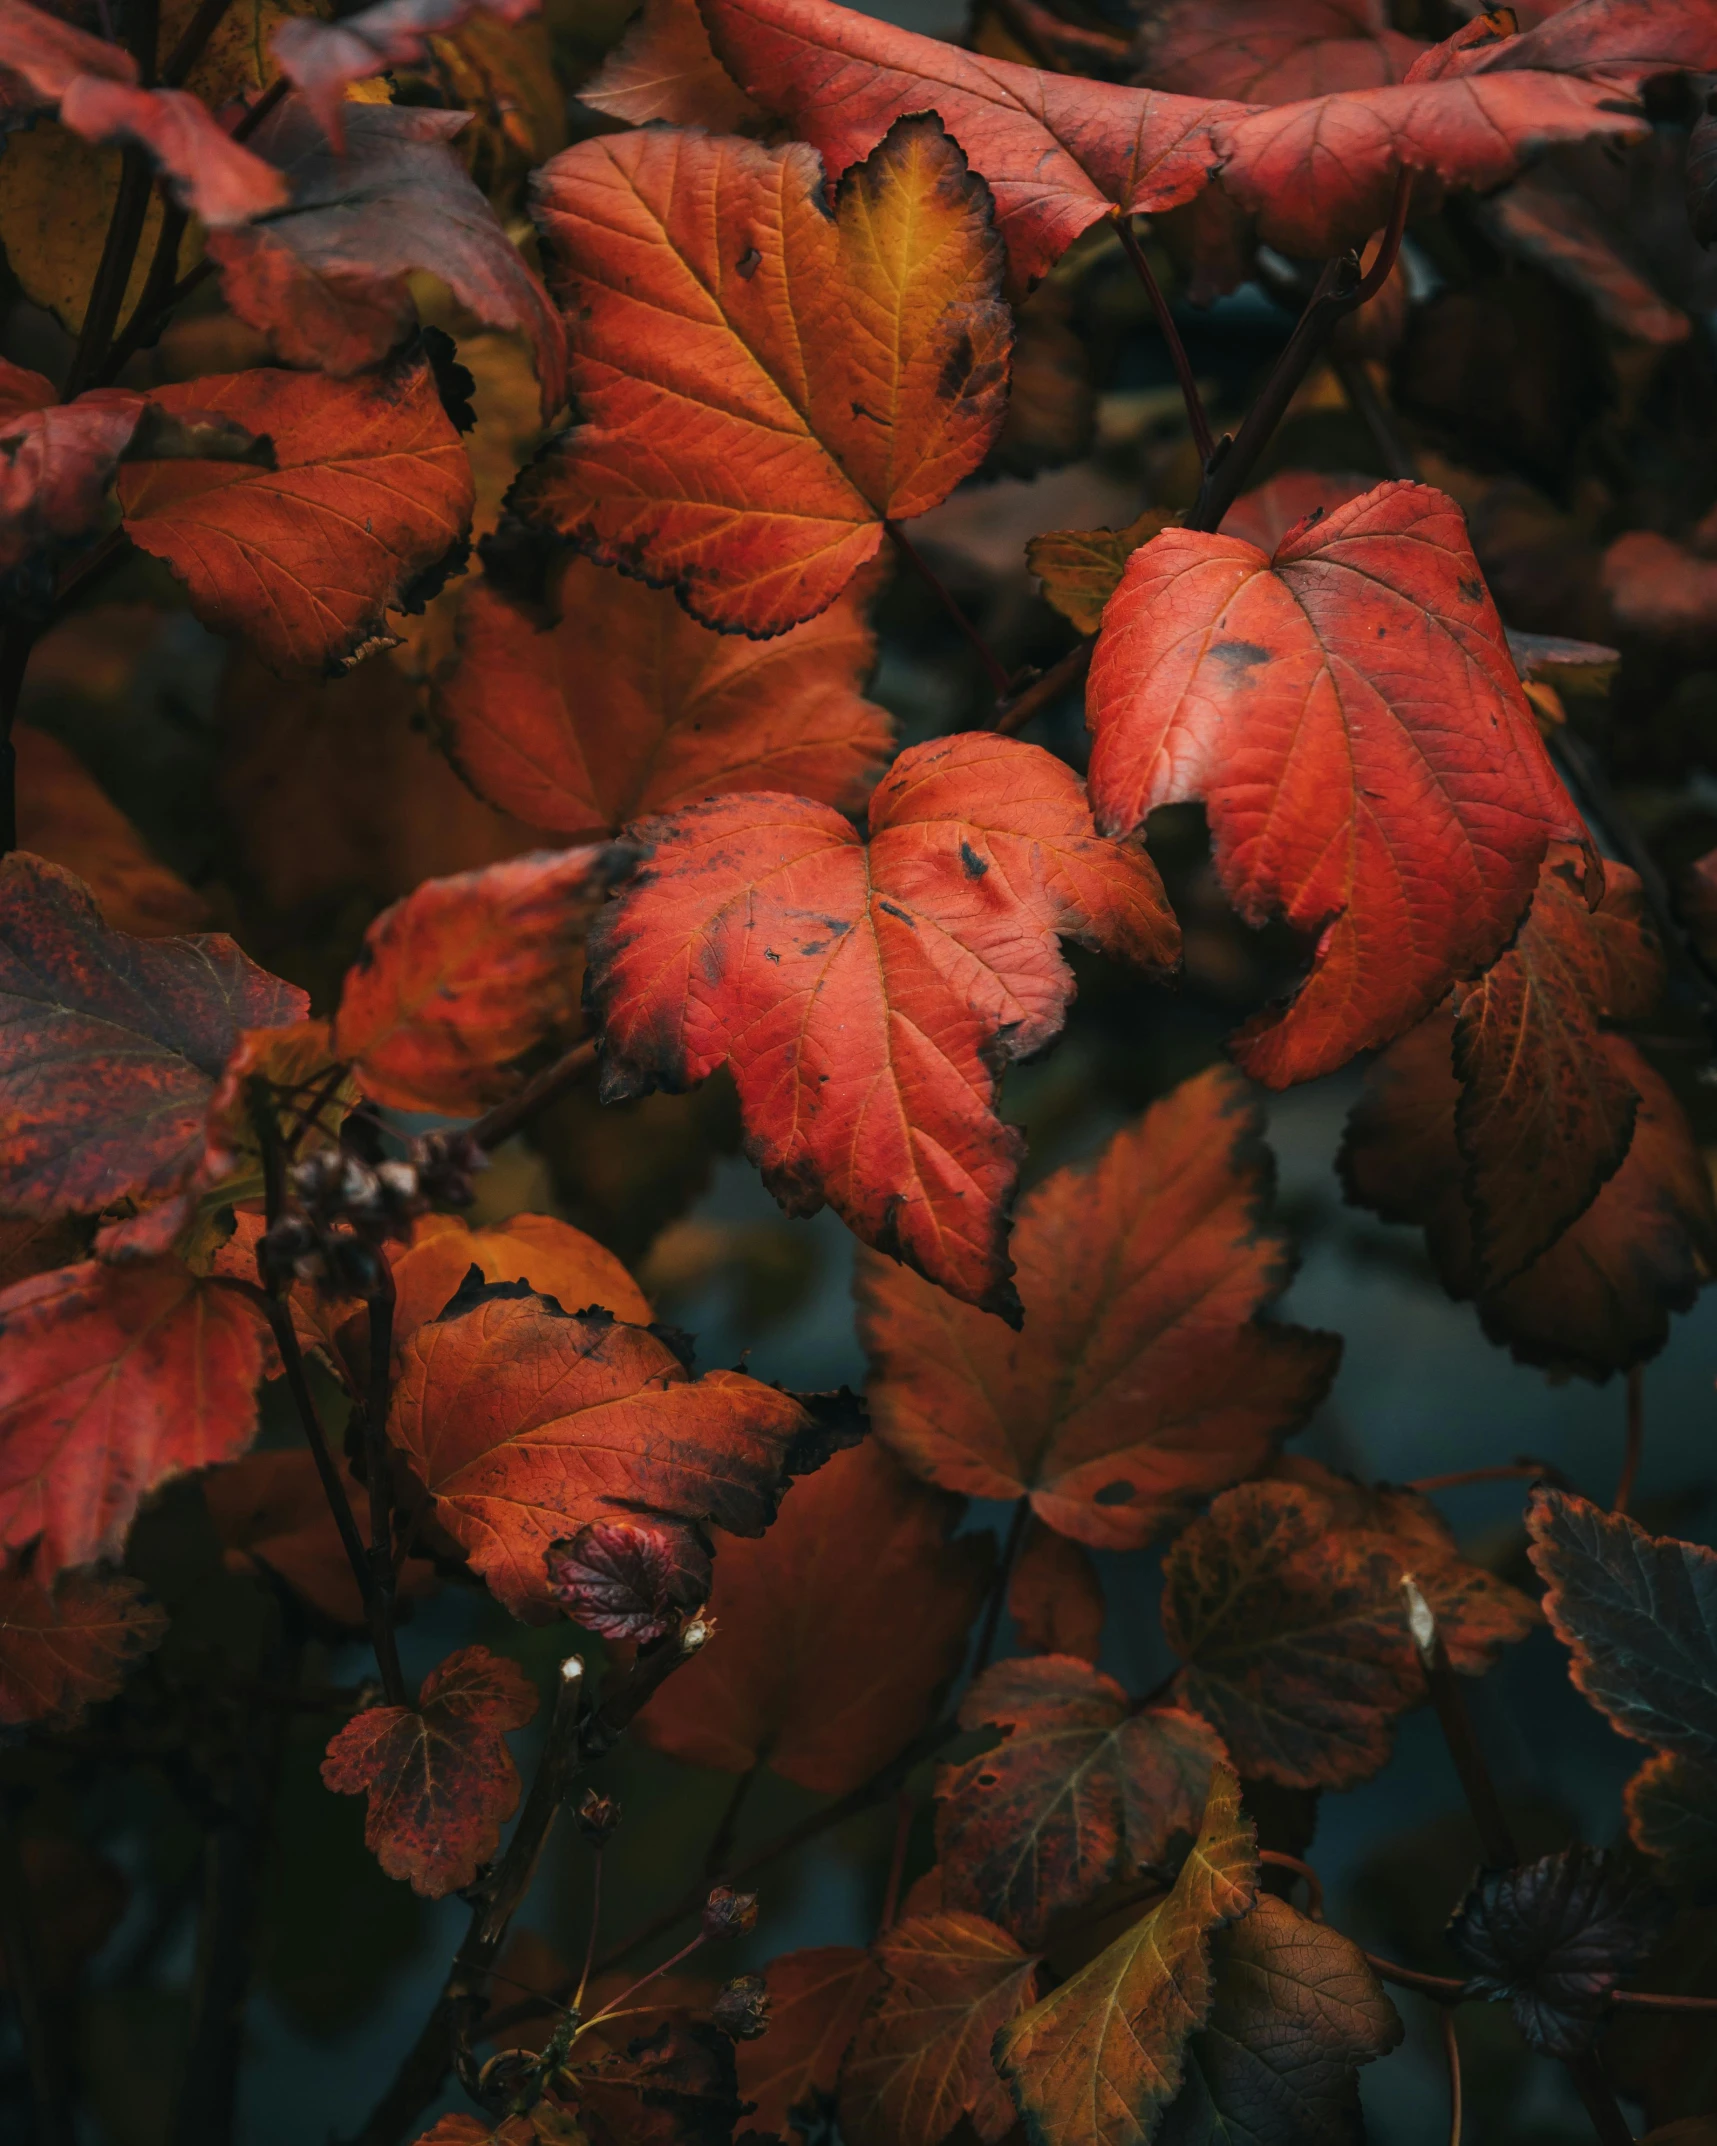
point(721, 1840)
point(595, 1927)
point(457, 2018)
point(1012, 716)
point(614, 2010)
point(193, 42)
point(1661, 2001)
point(1496, 1837)
point(1527, 1468)
point(1195, 417)
point(1363, 400)
point(994, 669)
point(505, 1119)
point(1633, 1450)
point(904, 1813)
point(1452, 2058)
point(1302, 1870)
point(55, 2125)
point(125, 226)
point(378, 1465)
point(156, 300)
point(1598, 2098)
point(1446, 1989)
point(999, 1586)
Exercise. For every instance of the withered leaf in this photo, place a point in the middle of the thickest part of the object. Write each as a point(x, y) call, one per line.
point(64, 1647)
point(816, 1999)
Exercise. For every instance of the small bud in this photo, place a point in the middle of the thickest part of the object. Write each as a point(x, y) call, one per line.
point(741, 2008)
point(446, 1164)
point(598, 1816)
point(1421, 1620)
point(695, 1633)
point(727, 1913)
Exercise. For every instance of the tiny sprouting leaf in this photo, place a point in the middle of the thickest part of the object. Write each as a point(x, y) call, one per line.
point(438, 1775)
point(630, 1577)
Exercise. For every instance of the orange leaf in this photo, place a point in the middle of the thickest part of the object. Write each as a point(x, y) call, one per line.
point(1598, 1300)
point(921, 2059)
point(1060, 153)
point(372, 491)
point(867, 996)
point(439, 1777)
point(66, 817)
point(1085, 1790)
point(524, 1423)
point(1285, 1600)
point(1349, 712)
point(1546, 1113)
point(112, 1380)
point(621, 704)
point(1272, 51)
point(1319, 175)
point(461, 978)
point(1143, 1378)
point(836, 1631)
point(1103, 2055)
point(110, 1046)
point(664, 68)
point(826, 373)
point(816, 1999)
point(64, 1648)
point(1055, 1596)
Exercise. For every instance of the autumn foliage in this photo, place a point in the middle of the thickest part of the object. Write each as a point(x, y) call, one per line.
point(713, 726)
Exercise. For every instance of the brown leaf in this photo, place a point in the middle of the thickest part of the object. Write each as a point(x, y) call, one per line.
point(64, 1648)
point(921, 2059)
point(66, 817)
point(1143, 1378)
point(816, 1999)
point(664, 68)
point(620, 704)
point(836, 1631)
point(1055, 1597)
point(439, 1777)
point(110, 1046)
point(372, 491)
point(1080, 569)
point(1086, 1789)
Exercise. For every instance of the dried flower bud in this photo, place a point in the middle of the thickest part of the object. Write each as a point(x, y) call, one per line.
point(597, 1817)
point(741, 2008)
point(727, 1913)
point(447, 1164)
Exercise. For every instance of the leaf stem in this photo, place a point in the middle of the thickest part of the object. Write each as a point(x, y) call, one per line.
point(125, 226)
point(504, 1120)
point(1633, 1451)
point(595, 1927)
point(1363, 400)
point(1165, 319)
point(994, 669)
point(1303, 1870)
point(1525, 1468)
point(55, 2125)
point(1013, 715)
point(614, 2010)
point(721, 1840)
point(1446, 1989)
point(193, 42)
point(1452, 2058)
point(1496, 1837)
point(903, 1817)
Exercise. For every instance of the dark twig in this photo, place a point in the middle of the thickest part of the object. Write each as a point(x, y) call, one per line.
point(553, 1081)
point(721, 1840)
point(378, 1466)
point(54, 2122)
point(998, 1594)
point(1013, 715)
point(1165, 319)
point(994, 669)
point(1446, 1989)
point(156, 300)
point(1363, 400)
point(1526, 1468)
point(1633, 1451)
point(193, 42)
point(1598, 2099)
point(125, 226)
point(457, 2018)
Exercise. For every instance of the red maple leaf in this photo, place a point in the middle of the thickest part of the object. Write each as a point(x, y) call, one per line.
point(1349, 712)
point(439, 1777)
point(866, 995)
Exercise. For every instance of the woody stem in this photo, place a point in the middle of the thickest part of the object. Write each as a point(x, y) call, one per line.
point(552, 1082)
point(1165, 319)
point(994, 670)
point(377, 1465)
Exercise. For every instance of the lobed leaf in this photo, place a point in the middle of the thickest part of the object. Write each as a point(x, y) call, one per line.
point(838, 1630)
point(1349, 714)
point(112, 1380)
point(111, 1047)
point(1085, 1790)
point(1144, 1377)
point(1272, 51)
point(462, 977)
point(1102, 2056)
point(372, 491)
point(524, 1422)
point(867, 995)
point(920, 2062)
point(665, 68)
point(816, 1999)
point(827, 373)
point(438, 1777)
point(66, 1647)
point(621, 704)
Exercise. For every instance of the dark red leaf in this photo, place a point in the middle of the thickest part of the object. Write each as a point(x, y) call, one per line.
point(629, 1578)
point(816, 1999)
point(439, 1777)
point(61, 1649)
point(1055, 1597)
point(56, 459)
point(220, 181)
point(1272, 51)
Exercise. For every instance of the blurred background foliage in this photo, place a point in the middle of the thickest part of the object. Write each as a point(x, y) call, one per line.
point(1565, 398)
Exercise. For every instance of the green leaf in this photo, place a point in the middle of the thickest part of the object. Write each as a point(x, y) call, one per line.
point(1100, 2058)
point(1297, 2011)
point(1639, 1613)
